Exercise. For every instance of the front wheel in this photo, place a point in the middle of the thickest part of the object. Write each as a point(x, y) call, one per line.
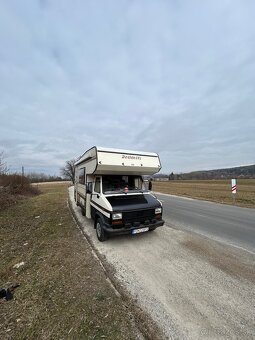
point(101, 234)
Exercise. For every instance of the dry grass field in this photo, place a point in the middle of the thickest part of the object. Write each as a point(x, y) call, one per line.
point(212, 190)
point(63, 293)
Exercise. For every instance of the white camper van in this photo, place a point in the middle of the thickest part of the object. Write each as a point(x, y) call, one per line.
point(109, 188)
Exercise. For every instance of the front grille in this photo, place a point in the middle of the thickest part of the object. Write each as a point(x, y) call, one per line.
point(138, 216)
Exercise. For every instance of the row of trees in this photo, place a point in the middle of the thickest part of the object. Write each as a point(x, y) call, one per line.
point(67, 172)
point(237, 172)
point(36, 177)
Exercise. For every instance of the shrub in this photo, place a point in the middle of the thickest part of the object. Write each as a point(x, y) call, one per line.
point(14, 187)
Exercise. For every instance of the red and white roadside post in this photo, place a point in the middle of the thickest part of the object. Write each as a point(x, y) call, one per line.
point(233, 189)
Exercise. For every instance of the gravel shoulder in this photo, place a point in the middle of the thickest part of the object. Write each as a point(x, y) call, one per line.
point(193, 287)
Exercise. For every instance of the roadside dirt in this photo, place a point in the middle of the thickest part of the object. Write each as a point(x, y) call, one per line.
point(193, 287)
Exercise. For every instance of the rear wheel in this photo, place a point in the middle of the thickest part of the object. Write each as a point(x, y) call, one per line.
point(101, 234)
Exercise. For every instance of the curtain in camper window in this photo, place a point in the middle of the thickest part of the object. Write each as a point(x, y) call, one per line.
point(97, 185)
point(82, 176)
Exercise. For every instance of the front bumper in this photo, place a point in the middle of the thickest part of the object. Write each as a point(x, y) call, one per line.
point(123, 230)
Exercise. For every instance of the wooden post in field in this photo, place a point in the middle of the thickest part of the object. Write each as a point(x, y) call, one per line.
point(233, 189)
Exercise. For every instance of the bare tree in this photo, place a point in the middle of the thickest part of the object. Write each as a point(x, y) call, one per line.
point(3, 165)
point(68, 170)
point(171, 177)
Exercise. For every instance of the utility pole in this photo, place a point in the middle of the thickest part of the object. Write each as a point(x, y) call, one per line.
point(22, 175)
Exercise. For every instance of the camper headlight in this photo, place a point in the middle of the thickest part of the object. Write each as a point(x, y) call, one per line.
point(117, 216)
point(158, 210)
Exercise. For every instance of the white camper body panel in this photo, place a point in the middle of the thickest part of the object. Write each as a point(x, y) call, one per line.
point(104, 161)
point(89, 160)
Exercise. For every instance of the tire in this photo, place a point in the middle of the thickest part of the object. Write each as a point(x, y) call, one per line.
point(101, 234)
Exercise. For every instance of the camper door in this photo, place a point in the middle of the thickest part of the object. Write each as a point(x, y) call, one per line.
point(98, 200)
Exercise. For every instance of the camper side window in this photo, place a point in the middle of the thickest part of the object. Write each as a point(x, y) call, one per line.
point(97, 185)
point(82, 176)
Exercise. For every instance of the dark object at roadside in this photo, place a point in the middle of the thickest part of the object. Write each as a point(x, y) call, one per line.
point(7, 293)
point(150, 185)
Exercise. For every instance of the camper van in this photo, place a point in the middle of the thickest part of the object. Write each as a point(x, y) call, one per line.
point(110, 189)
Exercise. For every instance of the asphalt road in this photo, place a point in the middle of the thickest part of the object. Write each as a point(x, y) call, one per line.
point(192, 286)
point(229, 224)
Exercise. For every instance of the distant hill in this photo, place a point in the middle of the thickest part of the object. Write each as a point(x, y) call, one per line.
point(237, 172)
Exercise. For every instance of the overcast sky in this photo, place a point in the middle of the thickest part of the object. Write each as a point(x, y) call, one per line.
point(174, 77)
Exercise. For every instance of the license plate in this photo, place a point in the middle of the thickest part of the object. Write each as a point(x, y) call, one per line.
point(140, 230)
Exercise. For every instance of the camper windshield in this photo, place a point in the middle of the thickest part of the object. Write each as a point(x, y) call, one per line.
point(119, 183)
